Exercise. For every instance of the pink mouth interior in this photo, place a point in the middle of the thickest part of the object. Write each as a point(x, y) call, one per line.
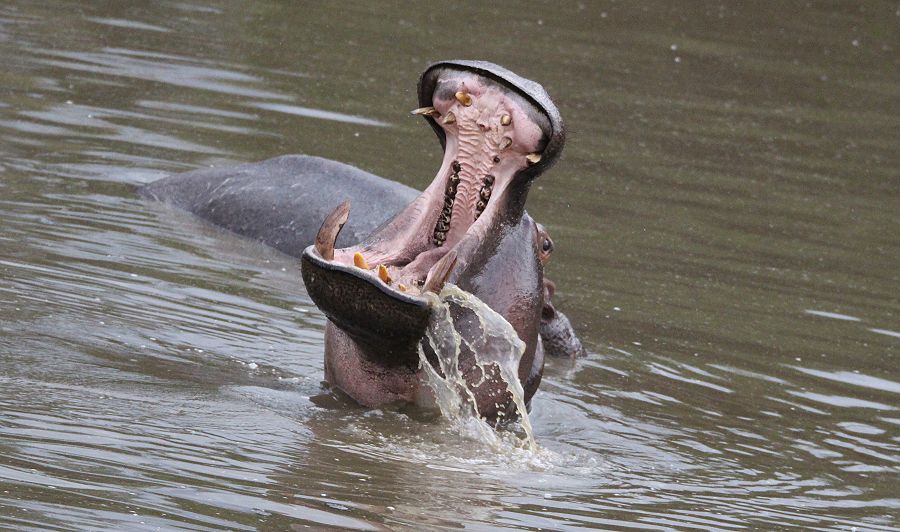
point(489, 137)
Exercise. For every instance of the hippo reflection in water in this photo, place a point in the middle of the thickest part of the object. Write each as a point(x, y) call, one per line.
point(469, 227)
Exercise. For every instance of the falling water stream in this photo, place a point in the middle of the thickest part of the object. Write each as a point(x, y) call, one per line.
point(495, 342)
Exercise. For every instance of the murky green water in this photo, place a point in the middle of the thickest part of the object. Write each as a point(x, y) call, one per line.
point(727, 226)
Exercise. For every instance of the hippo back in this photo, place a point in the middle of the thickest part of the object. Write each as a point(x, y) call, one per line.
point(282, 201)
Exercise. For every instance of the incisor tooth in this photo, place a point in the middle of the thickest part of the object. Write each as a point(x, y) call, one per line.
point(429, 111)
point(505, 142)
point(383, 274)
point(464, 98)
point(359, 261)
point(505, 120)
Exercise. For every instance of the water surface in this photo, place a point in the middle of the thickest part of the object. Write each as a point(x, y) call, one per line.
point(726, 225)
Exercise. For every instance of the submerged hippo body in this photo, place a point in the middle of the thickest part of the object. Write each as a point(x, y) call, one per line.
point(469, 228)
point(282, 201)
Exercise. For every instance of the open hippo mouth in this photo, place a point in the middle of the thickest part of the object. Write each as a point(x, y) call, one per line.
point(499, 131)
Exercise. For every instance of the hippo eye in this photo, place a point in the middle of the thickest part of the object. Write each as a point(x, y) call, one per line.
point(548, 245)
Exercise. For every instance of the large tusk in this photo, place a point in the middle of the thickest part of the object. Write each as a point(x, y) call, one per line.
point(330, 229)
point(438, 274)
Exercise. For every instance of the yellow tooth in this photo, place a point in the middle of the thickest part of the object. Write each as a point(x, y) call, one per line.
point(505, 143)
point(401, 287)
point(505, 120)
point(383, 274)
point(533, 158)
point(449, 118)
point(429, 111)
point(464, 98)
point(359, 261)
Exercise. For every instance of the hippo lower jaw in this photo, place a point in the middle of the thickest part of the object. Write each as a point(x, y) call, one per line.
point(497, 135)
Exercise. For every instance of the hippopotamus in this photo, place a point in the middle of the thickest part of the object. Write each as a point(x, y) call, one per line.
point(469, 227)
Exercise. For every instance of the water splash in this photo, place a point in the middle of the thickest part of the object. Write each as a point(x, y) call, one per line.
point(496, 344)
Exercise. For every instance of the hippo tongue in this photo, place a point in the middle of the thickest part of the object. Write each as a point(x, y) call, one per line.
point(331, 228)
point(496, 137)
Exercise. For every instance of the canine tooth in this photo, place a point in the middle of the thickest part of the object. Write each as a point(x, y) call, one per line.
point(438, 274)
point(449, 118)
point(533, 158)
point(425, 111)
point(359, 261)
point(505, 120)
point(505, 143)
point(401, 287)
point(383, 274)
point(330, 229)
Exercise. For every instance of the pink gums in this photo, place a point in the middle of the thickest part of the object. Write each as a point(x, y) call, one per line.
point(489, 137)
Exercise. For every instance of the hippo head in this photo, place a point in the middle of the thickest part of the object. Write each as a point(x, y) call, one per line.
point(469, 227)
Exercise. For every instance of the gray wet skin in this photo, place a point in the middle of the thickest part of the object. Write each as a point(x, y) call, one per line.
point(469, 228)
point(281, 202)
